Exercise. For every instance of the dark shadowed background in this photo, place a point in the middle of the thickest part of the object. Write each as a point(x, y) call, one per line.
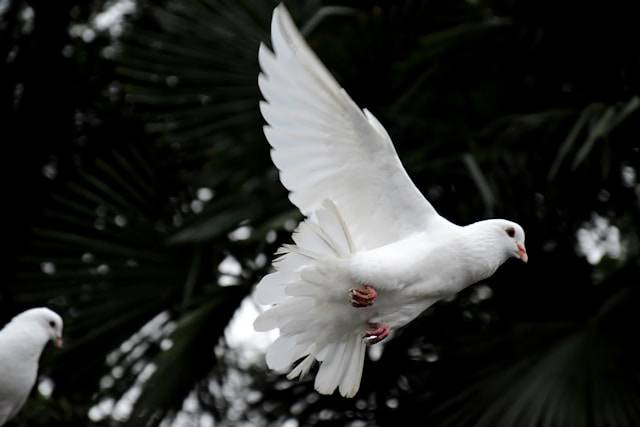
point(143, 206)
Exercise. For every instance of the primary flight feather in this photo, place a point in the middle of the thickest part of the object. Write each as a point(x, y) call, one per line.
point(372, 252)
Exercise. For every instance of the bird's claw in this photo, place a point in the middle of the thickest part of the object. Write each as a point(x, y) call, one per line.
point(376, 333)
point(364, 296)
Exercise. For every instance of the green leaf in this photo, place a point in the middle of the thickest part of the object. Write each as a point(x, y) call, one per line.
point(190, 357)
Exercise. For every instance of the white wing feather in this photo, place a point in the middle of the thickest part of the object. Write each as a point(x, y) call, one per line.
point(326, 147)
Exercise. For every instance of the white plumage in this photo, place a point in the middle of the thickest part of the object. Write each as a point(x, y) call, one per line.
point(367, 224)
point(21, 343)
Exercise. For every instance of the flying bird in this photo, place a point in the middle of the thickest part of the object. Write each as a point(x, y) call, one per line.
point(21, 343)
point(372, 252)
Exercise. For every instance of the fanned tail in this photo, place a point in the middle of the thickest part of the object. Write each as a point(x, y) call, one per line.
point(311, 308)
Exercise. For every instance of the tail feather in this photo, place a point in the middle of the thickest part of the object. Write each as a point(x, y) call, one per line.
point(328, 375)
point(291, 261)
point(353, 372)
point(281, 352)
point(303, 289)
point(315, 322)
point(343, 368)
point(302, 368)
point(272, 288)
point(281, 313)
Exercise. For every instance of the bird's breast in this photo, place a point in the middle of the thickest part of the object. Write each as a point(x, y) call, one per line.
point(17, 377)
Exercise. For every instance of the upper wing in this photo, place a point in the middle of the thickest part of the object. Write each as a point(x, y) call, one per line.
point(327, 148)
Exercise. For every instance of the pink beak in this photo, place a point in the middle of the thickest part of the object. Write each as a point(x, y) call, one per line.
point(522, 253)
point(58, 342)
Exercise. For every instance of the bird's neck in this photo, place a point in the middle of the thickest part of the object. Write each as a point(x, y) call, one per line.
point(27, 342)
point(483, 249)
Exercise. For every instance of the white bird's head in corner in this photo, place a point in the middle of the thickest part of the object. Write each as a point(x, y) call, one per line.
point(45, 322)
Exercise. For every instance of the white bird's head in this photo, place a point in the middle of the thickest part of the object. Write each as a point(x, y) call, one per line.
point(498, 239)
point(510, 237)
point(44, 321)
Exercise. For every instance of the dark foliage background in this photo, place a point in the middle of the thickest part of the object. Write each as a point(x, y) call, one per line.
point(136, 165)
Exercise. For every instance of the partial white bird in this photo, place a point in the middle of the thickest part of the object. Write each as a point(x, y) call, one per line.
point(21, 343)
point(372, 253)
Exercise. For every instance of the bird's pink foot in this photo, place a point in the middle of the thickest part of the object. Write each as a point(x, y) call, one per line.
point(364, 296)
point(376, 333)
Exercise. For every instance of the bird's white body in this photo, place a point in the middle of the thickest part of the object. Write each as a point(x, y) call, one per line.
point(367, 225)
point(417, 271)
point(21, 343)
point(409, 275)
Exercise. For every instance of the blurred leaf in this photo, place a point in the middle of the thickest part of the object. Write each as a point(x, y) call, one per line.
point(190, 357)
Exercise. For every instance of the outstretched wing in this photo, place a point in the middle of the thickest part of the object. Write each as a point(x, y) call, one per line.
point(326, 147)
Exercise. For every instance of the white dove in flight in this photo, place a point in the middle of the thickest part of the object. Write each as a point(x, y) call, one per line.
point(21, 343)
point(372, 253)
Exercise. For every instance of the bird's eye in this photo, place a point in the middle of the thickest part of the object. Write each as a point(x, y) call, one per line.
point(52, 323)
point(511, 232)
